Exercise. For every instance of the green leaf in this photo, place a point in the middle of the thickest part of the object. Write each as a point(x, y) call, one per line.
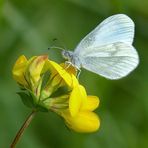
point(27, 99)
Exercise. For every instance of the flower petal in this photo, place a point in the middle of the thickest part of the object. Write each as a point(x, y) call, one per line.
point(19, 69)
point(69, 68)
point(77, 98)
point(63, 73)
point(35, 67)
point(91, 104)
point(75, 101)
point(84, 122)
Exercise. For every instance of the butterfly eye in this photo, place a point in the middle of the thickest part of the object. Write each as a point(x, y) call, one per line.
point(65, 54)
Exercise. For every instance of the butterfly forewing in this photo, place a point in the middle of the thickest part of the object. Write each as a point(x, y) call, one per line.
point(117, 28)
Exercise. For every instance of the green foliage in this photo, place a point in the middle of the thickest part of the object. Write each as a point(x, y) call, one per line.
point(26, 99)
point(29, 100)
point(28, 27)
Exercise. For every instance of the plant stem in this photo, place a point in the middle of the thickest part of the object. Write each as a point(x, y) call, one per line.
point(24, 126)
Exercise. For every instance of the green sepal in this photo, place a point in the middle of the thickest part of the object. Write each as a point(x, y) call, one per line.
point(27, 99)
point(46, 78)
point(41, 108)
point(59, 91)
point(34, 98)
point(38, 103)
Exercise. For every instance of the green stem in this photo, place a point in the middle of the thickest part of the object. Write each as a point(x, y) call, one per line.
point(24, 126)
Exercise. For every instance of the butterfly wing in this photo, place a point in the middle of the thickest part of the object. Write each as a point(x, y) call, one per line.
point(116, 28)
point(108, 50)
point(112, 61)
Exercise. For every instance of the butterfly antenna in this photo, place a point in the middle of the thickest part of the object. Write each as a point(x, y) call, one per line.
point(56, 47)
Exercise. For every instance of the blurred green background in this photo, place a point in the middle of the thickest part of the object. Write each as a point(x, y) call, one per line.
point(28, 27)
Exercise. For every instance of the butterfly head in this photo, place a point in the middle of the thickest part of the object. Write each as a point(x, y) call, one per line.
point(72, 58)
point(67, 55)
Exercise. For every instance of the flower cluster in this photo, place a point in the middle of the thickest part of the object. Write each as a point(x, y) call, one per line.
point(46, 85)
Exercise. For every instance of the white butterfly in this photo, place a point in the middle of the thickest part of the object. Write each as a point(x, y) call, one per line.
point(107, 50)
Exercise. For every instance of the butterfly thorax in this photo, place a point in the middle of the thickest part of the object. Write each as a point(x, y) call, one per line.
point(72, 58)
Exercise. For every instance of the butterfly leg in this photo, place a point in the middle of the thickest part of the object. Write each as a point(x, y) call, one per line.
point(67, 64)
point(78, 73)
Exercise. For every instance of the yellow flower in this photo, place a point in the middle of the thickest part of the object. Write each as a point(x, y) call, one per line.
point(76, 108)
point(34, 69)
point(42, 79)
point(85, 120)
point(59, 77)
point(28, 72)
point(66, 74)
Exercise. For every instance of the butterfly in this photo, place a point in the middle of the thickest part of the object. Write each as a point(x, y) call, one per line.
point(107, 50)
